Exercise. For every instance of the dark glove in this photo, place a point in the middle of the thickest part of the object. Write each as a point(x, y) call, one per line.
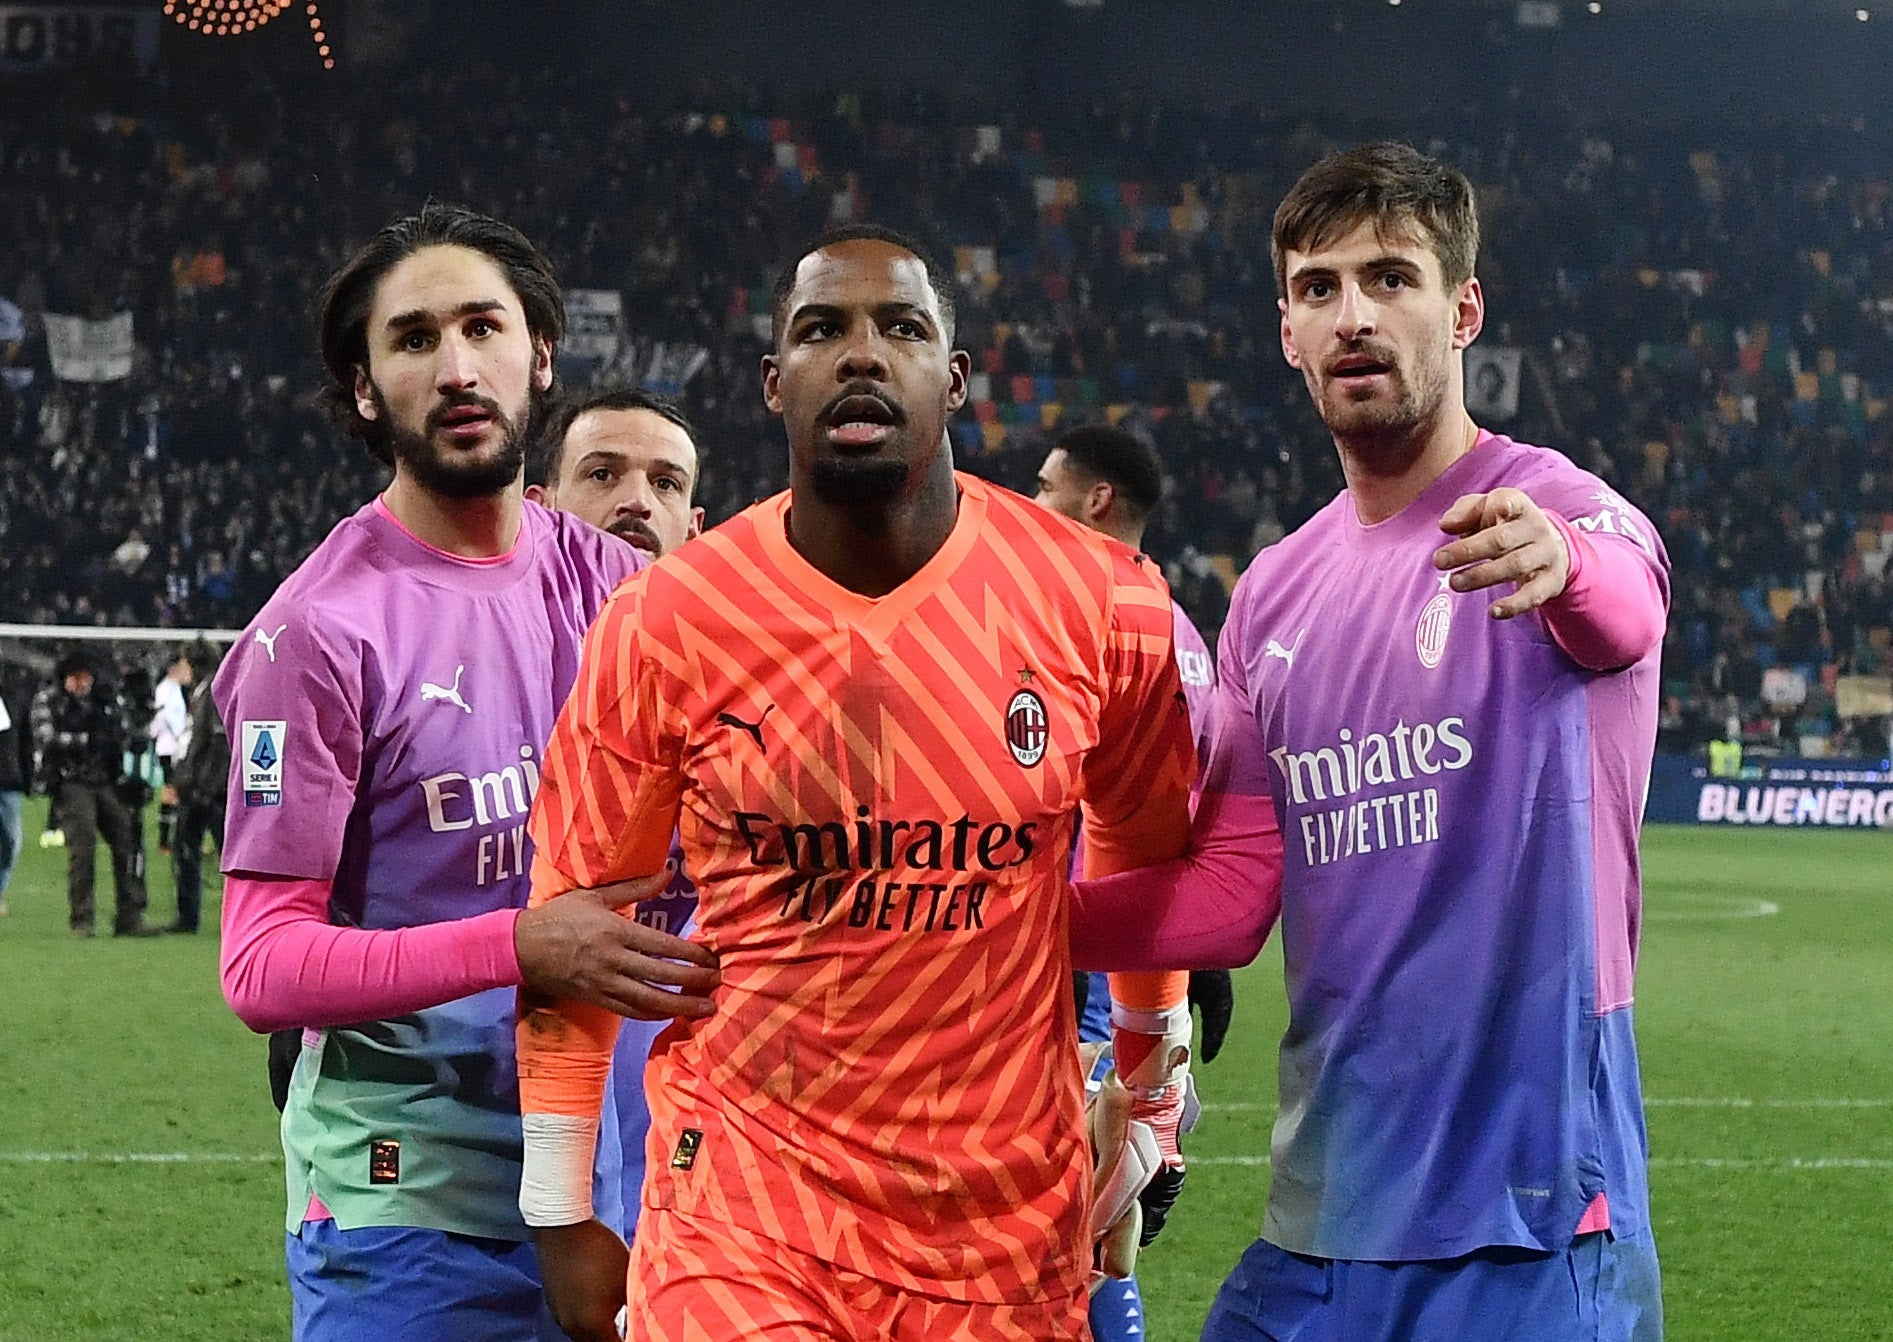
point(1214, 996)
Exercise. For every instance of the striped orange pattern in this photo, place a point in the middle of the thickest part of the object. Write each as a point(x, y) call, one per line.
point(705, 1283)
point(876, 799)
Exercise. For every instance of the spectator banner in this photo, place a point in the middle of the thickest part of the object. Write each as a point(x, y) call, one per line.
point(670, 365)
point(1492, 376)
point(594, 323)
point(1864, 696)
point(1831, 794)
point(89, 351)
point(33, 37)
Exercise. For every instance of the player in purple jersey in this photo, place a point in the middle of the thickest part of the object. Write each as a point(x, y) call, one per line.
point(386, 712)
point(627, 462)
point(1438, 785)
point(1110, 480)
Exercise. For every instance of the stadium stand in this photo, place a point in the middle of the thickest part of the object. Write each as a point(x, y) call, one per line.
point(1705, 324)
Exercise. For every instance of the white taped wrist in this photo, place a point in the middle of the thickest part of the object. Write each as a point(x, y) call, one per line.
point(1169, 1022)
point(555, 1185)
point(1163, 1057)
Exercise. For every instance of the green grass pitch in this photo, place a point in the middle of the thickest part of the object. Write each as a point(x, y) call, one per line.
point(1765, 1016)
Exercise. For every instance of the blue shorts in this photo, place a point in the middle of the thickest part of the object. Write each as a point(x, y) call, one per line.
point(380, 1283)
point(1600, 1289)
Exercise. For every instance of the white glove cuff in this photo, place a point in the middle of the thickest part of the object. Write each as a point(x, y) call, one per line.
point(555, 1185)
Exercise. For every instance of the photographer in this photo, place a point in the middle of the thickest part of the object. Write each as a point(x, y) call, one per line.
point(81, 733)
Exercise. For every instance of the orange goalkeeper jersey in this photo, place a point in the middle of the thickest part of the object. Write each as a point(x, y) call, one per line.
point(876, 800)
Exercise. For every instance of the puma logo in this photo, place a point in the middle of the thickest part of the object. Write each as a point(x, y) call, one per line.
point(269, 640)
point(753, 728)
point(1274, 649)
point(449, 695)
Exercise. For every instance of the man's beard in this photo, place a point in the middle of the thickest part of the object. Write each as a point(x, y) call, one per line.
point(859, 482)
point(1381, 427)
point(449, 473)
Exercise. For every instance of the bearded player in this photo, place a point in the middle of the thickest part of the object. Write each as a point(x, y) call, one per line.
point(387, 713)
point(874, 704)
point(1439, 785)
point(627, 462)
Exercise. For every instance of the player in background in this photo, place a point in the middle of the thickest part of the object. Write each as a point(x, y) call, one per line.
point(1109, 479)
point(170, 733)
point(627, 462)
point(873, 703)
point(1457, 774)
point(387, 712)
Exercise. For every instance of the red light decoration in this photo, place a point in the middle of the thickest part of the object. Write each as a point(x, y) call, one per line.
point(227, 18)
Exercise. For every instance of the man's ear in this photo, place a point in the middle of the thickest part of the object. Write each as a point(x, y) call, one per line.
point(771, 384)
point(1098, 500)
point(542, 363)
point(1289, 351)
point(537, 493)
point(1468, 313)
point(365, 396)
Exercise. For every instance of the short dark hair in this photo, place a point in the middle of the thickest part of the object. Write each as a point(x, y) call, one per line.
point(552, 444)
point(342, 311)
point(1120, 459)
point(937, 275)
point(1396, 188)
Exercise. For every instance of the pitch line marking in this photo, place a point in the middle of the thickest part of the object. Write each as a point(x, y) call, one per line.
point(134, 1158)
point(1709, 907)
point(1654, 1102)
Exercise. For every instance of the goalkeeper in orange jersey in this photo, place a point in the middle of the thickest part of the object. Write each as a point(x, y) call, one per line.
point(873, 705)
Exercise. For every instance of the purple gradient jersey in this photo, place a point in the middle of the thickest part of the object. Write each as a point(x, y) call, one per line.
point(1459, 804)
point(387, 712)
point(674, 912)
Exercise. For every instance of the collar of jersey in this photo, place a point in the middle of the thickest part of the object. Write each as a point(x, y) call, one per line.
point(880, 614)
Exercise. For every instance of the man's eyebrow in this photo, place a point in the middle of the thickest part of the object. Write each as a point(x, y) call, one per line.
point(421, 316)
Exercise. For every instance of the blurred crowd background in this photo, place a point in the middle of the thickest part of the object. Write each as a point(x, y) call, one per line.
point(1706, 320)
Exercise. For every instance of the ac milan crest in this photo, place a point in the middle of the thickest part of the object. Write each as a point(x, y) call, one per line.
point(1429, 635)
point(1026, 729)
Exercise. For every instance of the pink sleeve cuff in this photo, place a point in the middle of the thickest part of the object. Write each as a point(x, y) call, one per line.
point(1211, 909)
point(1612, 611)
point(284, 964)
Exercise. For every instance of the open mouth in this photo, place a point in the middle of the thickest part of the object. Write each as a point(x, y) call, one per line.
point(860, 420)
point(464, 423)
point(1357, 367)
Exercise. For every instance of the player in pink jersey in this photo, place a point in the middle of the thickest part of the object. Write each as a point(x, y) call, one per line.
point(1436, 710)
point(387, 711)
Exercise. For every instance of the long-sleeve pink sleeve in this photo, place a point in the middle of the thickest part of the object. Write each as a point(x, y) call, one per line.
point(1612, 610)
point(284, 964)
point(1211, 909)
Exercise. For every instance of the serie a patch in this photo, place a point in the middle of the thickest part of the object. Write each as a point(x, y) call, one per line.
point(263, 762)
point(384, 1161)
point(688, 1143)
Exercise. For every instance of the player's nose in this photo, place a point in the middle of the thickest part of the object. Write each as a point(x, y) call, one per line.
point(454, 365)
point(636, 501)
point(863, 355)
point(1355, 315)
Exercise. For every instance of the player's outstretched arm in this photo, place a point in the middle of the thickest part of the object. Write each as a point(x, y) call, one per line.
point(284, 965)
point(1604, 603)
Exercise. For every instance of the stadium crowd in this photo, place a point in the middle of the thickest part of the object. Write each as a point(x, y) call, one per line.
point(1704, 324)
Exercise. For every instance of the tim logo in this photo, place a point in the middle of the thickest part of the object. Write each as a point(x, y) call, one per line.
point(1429, 636)
point(1026, 729)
